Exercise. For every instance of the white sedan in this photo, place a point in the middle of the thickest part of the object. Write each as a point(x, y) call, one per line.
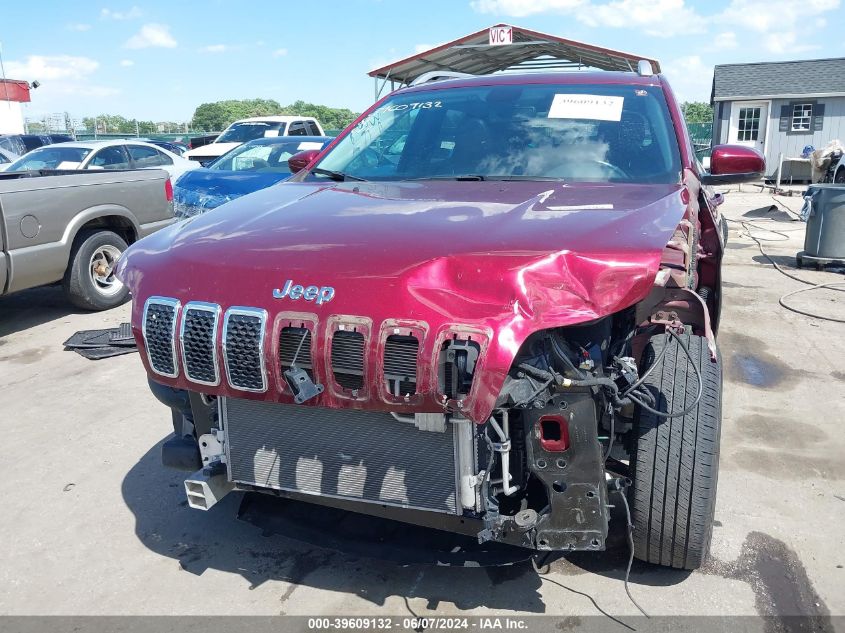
point(116, 154)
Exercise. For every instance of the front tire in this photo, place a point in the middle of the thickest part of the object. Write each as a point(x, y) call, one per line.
point(675, 461)
point(89, 282)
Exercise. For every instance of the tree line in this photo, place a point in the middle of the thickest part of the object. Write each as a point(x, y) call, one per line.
point(216, 116)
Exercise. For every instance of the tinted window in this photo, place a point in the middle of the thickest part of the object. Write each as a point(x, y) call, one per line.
point(297, 128)
point(32, 141)
point(313, 128)
point(243, 132)
point(51, 157)
point(144, 156)
point(596, 133)
point(164, 159)
point(113, 157)
point(13, 144)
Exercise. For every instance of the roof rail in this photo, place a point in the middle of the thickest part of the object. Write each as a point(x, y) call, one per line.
point(438, 75)
point(644, 68)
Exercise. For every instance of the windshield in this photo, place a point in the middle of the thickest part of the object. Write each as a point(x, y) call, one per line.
point(243, 132)
point(51, 157)
point(261, 156)
point(595, 133)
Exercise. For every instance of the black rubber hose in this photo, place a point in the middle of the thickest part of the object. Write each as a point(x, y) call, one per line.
point(563, 357)
point(695, 402)
point(536, 372)
point(649, 370)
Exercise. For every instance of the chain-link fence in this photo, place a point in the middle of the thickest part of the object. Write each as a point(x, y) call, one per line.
point(701, 135)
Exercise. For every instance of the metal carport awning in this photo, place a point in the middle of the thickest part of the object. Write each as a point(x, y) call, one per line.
point(520, 50)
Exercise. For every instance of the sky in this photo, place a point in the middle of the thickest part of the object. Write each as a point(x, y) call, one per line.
point(157, 60)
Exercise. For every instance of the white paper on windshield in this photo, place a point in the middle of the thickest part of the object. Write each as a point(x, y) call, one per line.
point(67, 164)
point(270, 133)
point(593, 107)
point(309, 145)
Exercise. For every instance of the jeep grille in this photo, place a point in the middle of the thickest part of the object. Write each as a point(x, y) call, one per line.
point(159, 330)
point(243, 348)
point(198, 339)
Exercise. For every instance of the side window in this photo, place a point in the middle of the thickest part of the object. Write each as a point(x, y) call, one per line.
point(164, 159)
point(113, 157)
point(312, 128)
point(297, 128)
point(144, 157)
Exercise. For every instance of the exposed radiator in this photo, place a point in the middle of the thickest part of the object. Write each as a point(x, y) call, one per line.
point(340, 453)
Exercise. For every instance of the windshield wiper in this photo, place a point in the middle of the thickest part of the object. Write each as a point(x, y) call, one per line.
point(339, 176)
point(462, 177)
point(525, 178)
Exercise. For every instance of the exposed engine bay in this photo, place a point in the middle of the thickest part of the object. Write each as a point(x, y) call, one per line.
point(537, 474)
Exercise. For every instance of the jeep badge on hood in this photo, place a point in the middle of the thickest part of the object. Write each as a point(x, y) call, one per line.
point(309, 293)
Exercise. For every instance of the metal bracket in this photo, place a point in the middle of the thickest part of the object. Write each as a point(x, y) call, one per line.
point(668, 319)
point(213, 447)
point(301, 385)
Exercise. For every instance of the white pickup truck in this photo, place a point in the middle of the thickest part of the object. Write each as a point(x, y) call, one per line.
point(250, 129)
point(72, 226)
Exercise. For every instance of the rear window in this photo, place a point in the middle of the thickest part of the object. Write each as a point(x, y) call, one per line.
point(249, 131)
point(51, 157)
point(572, 132)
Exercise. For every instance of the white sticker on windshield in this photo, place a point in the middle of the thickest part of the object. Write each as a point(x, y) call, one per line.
point(68, 164)
point(592, 107)
point(270, 133)
point(309, 145)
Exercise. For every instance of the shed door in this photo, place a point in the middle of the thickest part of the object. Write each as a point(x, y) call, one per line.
point(748, 123)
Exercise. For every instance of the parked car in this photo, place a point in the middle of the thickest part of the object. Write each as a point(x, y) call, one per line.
point(116, 154)
point(6, 159)
point(254, 128)
point(60, 138)
point(199, 141)
point(12, 143)
point(499, 321)
point(73, 226)
point(247, 168)
point(34, 141)
point(170, 146)
point(20, 144)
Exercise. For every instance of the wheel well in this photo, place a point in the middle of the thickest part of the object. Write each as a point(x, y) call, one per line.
point(120, 225)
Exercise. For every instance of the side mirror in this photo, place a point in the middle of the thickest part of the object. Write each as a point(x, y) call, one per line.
point(731, 164)
point(300, 161)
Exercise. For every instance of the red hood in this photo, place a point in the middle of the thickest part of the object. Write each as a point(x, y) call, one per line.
point(503, 258)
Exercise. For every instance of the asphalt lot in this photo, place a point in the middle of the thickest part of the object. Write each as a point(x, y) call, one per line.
point(91, 524)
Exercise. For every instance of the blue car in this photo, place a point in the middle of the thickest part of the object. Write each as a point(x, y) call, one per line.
point(249, 167)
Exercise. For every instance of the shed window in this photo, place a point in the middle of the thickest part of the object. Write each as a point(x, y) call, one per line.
point(802, 117)
point(749, 124)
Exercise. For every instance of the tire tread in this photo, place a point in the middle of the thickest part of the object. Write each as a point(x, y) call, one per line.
point(675, 461)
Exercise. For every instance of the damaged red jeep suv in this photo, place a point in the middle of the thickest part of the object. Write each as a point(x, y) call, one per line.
point(489, 307)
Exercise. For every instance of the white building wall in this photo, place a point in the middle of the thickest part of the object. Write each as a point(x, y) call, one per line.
point(11, 117)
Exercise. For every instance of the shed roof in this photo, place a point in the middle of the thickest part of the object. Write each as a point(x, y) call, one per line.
point(530, 50)
point(779, 79)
